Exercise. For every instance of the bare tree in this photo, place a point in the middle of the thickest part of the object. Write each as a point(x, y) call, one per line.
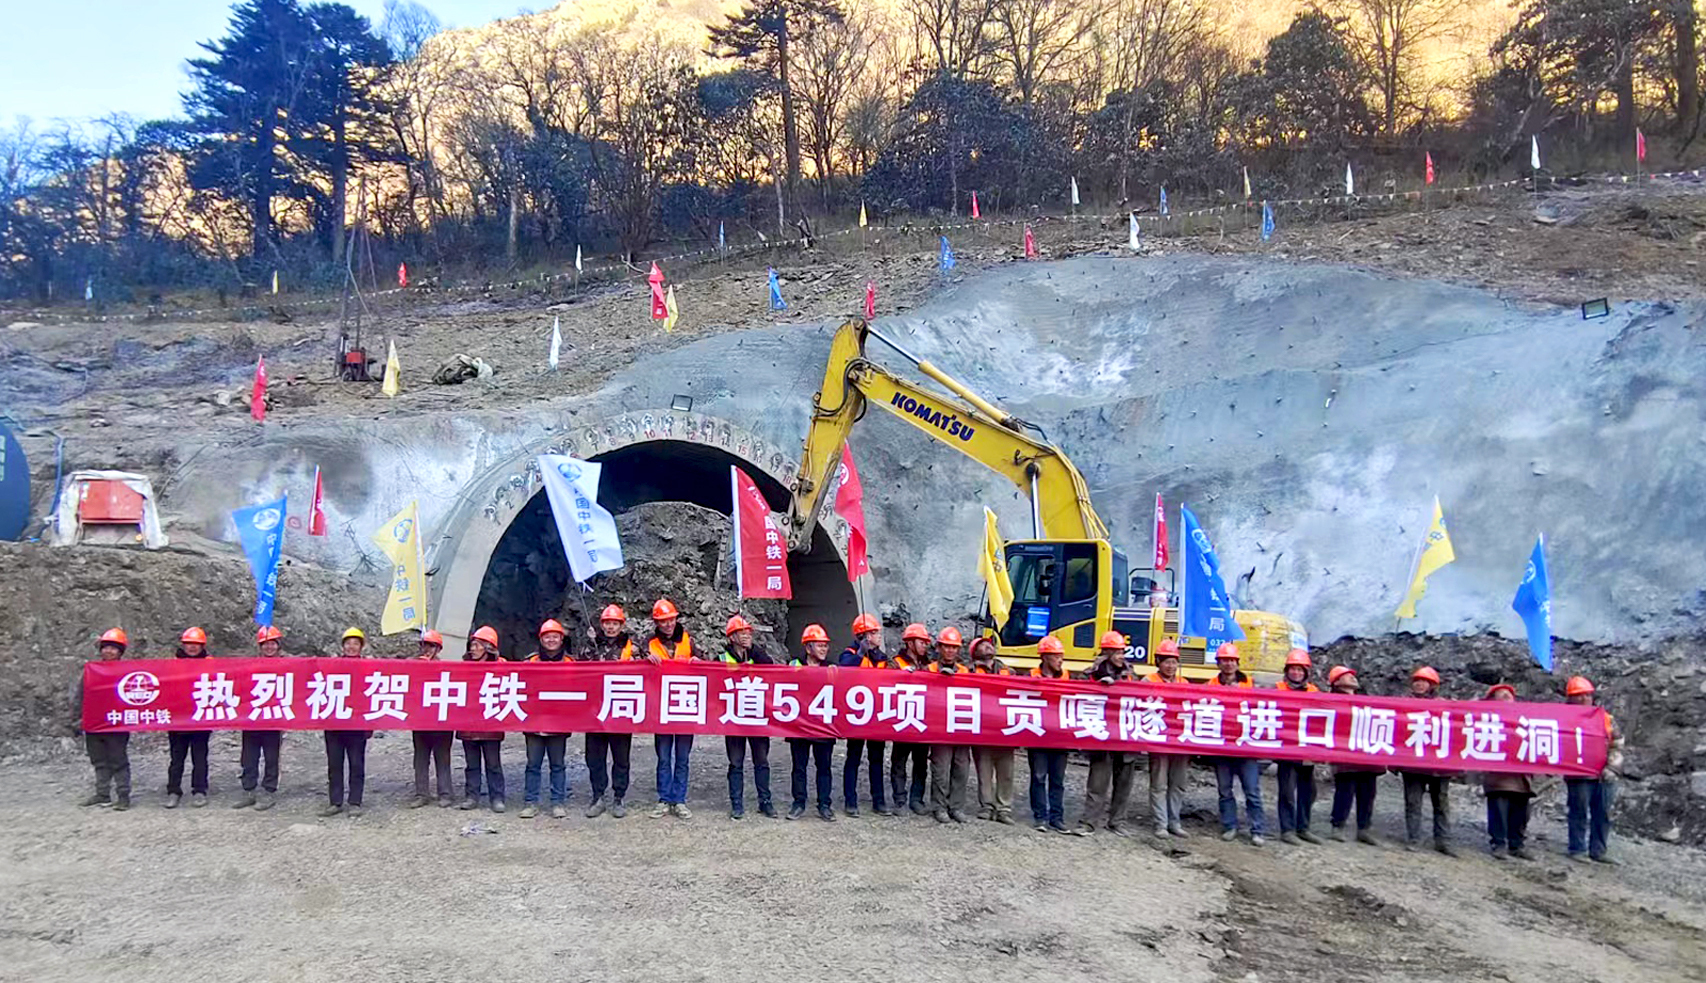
point(1036, 39)
point(830, 63)
point(953, 37)
point(1388, 35)
point(420, 81)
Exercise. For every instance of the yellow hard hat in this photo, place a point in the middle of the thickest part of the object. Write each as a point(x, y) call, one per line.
point(355, 633)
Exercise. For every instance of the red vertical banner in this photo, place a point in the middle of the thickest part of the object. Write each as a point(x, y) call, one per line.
point(1429, 158)
point(660, 305)
point(1161, 553)
point(974, 211)
point(402, 274)
point(870, 299)
point(761, 557)
point(258, 395)
point(316, 511)
point(850, 505)
point(1030, 244)
point(1640, 146)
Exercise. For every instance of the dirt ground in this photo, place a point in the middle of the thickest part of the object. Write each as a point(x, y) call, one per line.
point(408, 895)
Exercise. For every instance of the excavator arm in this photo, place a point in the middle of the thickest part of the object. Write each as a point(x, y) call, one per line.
point(1060, 501)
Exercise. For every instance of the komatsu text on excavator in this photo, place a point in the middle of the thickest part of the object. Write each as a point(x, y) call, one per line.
point(1068, 580)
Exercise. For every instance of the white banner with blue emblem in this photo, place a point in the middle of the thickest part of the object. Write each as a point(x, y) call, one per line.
point(588, 531)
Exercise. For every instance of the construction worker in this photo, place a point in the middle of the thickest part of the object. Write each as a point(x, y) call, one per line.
point(608, 755)
point(907, 788)
point(1296, 778)
point(949, 763)
point(740, 651)
point(1589, 799)
point(482, 750)
point(1169, 774)
point(259, 743)
point(1352, 783)
point(1424, 685)
point(551, 651)
point(1048, 765)
point(109, 754)
point(994, 764)
point(188, 743)
point(1228, 769)
point(670, 643)
point(1107, 791)
point(346, 748)
point(815, 642)
point(432, 747)
point(1508, 796)
point(866, 652)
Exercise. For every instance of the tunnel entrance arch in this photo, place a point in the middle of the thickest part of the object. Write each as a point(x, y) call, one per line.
point(648, 456)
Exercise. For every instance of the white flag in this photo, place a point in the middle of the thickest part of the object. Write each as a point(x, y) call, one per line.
point(1131, 239)
point(556, 340)
point(1350, 183)
point(588, 532)
point(1534, 151)
point(577, 259)
point(1074, 190)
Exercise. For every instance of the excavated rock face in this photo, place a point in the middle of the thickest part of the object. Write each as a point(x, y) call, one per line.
point(1657, 695)
point(672, 549)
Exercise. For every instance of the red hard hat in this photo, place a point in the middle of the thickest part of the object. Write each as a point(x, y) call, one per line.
point(865, 623)
point(613, 612)
point(915, 631)
point(1577, 686)
point(664, 609)
point(551, 624)
point(1427, 673)
point(1337, 673)
point(267, 633)
point(1110, 640)
point(1227, 650)
point(194, 635)
point(1168, 648)
point(1507, 687)
point(1050, 645)
point(430, 637)
point(115, 636)
point(1298, 657)
point(487, 634)
point(737, 623)
point(949, 636)
point(814, 633)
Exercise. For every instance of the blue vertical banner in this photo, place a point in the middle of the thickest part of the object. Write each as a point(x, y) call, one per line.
point(1267, 221)
point(776, 301)
point(721, 244)
point(947, 255)
point(1207, 607)
point(1163, 202)
point(1533, 603)
point(260, 530)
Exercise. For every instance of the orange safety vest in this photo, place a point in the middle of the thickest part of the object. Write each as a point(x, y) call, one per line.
point(1155, 677)
point(958, 667)
point(1307, 688)
point(1038, 672)
point(1244, 683)
point(683, 649)
point(995, 669)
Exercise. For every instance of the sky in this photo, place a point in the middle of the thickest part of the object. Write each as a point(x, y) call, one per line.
point(84, 59)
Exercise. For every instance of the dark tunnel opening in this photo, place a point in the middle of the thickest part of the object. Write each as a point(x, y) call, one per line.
point(527, 579)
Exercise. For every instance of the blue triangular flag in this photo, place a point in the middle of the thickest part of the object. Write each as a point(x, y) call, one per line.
point(1533, 602)
point(1163, 202)
point(1267, 221)
point(720, 242)
point(776, 301)
point(947, 255)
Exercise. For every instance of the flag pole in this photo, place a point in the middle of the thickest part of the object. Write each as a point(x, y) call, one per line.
point(1415, 561)
point(1184, 563)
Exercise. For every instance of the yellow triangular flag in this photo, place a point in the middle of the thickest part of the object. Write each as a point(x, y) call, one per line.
point(1436, 552)
point(993, 566)
point(275, 282)
point(400, 540)
point(392, 371)
point(1246, 184)
point(670, 313)
point(862, 222)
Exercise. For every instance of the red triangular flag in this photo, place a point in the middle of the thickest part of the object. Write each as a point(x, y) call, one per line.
point(1162, 555)
point(974, 212)
point(660, 306)
point(258, 395)
point(1640, 145)
point(316, 511)
point(761, 554)
point(870, 299)
point(1030, 244)
point(402, 274)
point(850, 505)
point(1430, 161)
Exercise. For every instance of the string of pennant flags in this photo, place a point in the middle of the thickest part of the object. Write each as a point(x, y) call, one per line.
point(1169, 220)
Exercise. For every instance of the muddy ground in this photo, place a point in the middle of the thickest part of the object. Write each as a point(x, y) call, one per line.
point(403, 895)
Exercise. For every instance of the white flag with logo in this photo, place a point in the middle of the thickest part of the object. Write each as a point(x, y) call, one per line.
point(588, 531)
point(1133, 233)
point(1075, 190)
point(1350, 182)
point(556, 340)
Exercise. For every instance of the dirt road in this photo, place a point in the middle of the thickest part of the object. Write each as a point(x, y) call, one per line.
point(400, 895)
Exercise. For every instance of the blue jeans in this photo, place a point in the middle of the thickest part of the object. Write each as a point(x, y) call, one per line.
point(1296, 796)
point(1248, 772)
point(1589, 815)
point(673, 752)
point(873, 750)
point(538, 746)
point(1048, 786)
point(1507, 819)
point(484, 760)
point(806, 753)
point(737, 748)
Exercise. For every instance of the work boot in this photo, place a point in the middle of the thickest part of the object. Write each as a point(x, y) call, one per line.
point(918, 807)
point(1604, 858)
point(796, 810)
point(173, 799)
point(1337, 835)
point(767, 810)
point(1500, 853)
point(1178, 832)
point(1521, 853)
point(1289, 838)
point(1441, 846)
point(1085, 828)
point(957, 816)
point(595, 809)
point(1308, 837)
point(1256, 839)
point(470, 802)
point(1411, 846)
point(826, 814)
point(1228, 835)
point(1116, 829)
point(618, 810)
point(883, 811)
point(444, 801)
point(558, 812)
point(354, 811)
point(244, 801)
point(267, 801)
point(1059, 828)
point(1580, 858)
point(498, 805)
point(682, 812)
point(1040, 826)
point(941, 816)
point(660, 810)
point(330, 811)
point(96, 799)
point(736, 812)
point(418, 801)
point(1005, 819)
point(121, 803)
point(986, 813)
point(528, 811)
point(1367, 838)
point(198, 800)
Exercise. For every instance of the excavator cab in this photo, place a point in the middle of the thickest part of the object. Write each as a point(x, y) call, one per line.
point(1065, 588)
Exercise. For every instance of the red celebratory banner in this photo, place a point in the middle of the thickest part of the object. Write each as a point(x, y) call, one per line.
point(761, 556)
point(877, 704)
point(850, 505)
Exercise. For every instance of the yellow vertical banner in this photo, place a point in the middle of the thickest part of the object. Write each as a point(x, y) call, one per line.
point(671, 314)
point(993, 565)
point(400, 540)
point(1436, 552)
point(393, 370)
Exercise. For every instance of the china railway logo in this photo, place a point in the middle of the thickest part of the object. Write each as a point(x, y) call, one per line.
point(138, 689)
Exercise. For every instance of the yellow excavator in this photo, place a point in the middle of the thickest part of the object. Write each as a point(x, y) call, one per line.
point(1068, 580)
